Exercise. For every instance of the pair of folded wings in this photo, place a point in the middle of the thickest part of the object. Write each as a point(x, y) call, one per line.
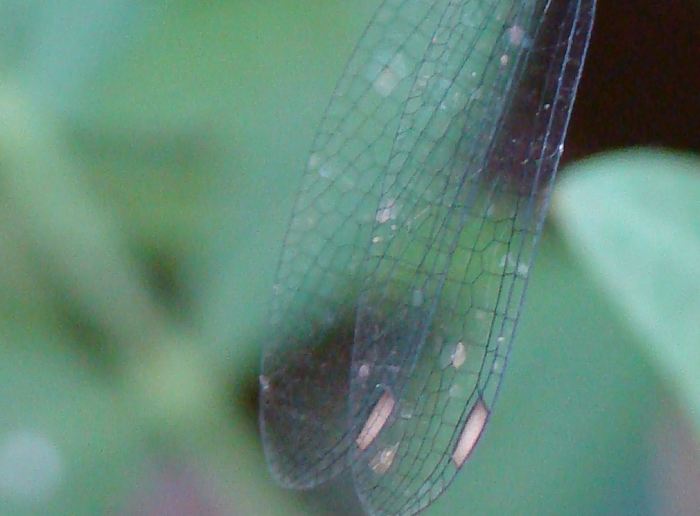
point(407, 255)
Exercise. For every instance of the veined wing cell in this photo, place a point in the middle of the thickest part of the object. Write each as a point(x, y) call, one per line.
point(408, 252)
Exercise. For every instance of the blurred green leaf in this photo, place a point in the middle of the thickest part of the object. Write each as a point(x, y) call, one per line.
point(216, 80)
point(634, 220)
point(74, 240)
point(67, 443)
point(58, 48)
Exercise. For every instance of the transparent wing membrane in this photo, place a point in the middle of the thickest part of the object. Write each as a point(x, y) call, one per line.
point(407, 257)
point(306, 363)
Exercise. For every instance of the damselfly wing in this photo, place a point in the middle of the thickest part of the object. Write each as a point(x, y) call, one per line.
point(407, 256)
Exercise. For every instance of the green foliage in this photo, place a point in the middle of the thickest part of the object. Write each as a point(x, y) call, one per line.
point(149, 158)
point(637, 231)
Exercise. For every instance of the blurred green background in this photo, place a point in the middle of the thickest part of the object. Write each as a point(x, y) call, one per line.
point(149, 156)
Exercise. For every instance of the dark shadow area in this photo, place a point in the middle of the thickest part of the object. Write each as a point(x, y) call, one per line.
point(641, 80)
point(330, 356)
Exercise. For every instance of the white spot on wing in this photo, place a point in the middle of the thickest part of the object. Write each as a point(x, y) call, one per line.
point(471, 433)
point(457, 391)
point(387, 211)
point(326, 171)
point(391, 75)
point(376, 421)
point(386, 82)
point(522, 269)
point(459, 355)
point(363, 371)
point(516, 35)
point(498, 365)
point(383, 460)
point(507, 260)
point(314, 161)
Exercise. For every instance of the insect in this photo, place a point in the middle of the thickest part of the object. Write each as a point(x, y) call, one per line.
point(408, 252)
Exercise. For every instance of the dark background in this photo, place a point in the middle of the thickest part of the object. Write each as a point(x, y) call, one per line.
point(642, 79)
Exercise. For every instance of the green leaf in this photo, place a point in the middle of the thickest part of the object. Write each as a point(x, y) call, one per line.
point(77, 244)
point(634, 221)
point(67, 444)
point(58, 48)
